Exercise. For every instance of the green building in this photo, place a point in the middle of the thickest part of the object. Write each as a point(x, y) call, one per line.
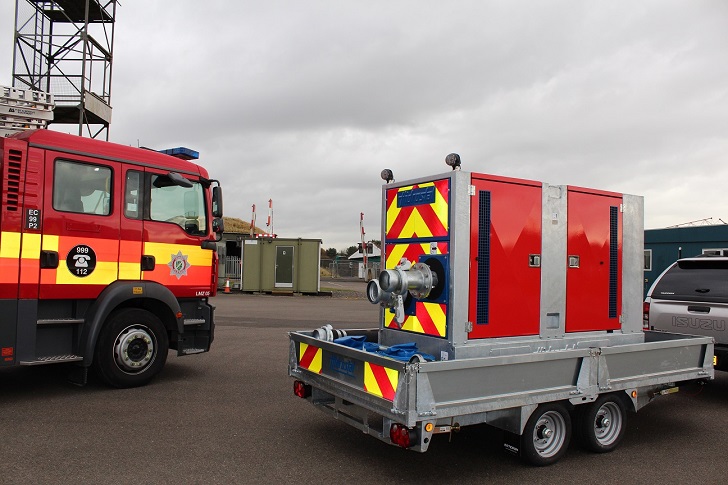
point(664, 246)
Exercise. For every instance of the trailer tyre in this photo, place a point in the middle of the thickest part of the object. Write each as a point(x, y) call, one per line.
point(546, 436)
point(131, 349)
point(601, 424)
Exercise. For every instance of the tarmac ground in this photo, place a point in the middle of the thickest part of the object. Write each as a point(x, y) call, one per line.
point(230, 416)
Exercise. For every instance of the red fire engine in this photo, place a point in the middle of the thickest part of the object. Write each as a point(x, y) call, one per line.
point(107, 256)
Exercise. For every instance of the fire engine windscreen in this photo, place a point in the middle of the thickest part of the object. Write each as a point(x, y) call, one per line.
point(179, 204)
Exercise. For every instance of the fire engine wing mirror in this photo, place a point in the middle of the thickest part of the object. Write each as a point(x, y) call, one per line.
point(218, 227)
point(211, 245)
point(177, 179)
point(217, 201)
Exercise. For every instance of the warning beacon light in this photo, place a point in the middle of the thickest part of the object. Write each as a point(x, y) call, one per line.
point(453, 160)
point(387, 175)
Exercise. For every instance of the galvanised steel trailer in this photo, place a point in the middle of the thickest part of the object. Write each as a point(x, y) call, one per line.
point(504, 301)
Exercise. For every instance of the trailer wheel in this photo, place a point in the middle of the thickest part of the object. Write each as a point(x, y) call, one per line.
point(546, 435)
point(602, 423)
point(131, 349)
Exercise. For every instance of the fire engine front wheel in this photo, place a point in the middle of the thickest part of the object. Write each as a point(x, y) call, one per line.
point(132, 348)
point(546, 435)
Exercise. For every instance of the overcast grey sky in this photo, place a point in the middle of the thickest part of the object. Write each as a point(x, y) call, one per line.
point(305, 102)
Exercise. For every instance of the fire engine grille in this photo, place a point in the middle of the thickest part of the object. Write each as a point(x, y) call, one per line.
point(481, 311)
point(12, 200)
point(613, 259)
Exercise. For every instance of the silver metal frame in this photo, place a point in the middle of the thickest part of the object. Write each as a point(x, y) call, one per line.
point(59, 45)
point(510, 386)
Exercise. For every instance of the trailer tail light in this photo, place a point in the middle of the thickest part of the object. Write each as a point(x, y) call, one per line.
point(301, 390)
point(645, 316)
point(401, 435)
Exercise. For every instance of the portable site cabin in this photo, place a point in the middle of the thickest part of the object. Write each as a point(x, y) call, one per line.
point(281, 265)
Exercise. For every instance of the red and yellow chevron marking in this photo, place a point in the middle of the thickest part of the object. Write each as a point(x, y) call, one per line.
point(426, 220)
point(380, 381)
point(429, 319)
point(395, 252)
point(310, 357)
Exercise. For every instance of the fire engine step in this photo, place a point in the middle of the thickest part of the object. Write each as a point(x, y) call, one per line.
point(194, 321)
point(52, 359)
point(60, 321)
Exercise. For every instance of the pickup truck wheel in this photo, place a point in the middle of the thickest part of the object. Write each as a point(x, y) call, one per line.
point(131, 349)
point(601, 424)
point(546, 435)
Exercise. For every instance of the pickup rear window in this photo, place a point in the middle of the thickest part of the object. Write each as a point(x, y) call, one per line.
point(695, 280)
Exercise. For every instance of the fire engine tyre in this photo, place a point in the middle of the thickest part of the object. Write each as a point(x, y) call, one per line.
point(546, 436)
point(601, 424)
point(131, 349)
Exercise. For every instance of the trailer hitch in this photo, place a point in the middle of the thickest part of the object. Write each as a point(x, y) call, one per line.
point(393, 285)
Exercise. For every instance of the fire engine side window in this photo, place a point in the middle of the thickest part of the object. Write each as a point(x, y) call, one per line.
point(184, 206)
point(81, 187)
point(132, 195)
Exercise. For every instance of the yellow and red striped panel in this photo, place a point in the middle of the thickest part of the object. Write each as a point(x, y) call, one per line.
point(418, 220)
point(198, 262)
point(380, 381)
point(20, 255)
point(395, 252)
point(9, 254)
point(310, 357)
point(107, 260)
point(429, 319)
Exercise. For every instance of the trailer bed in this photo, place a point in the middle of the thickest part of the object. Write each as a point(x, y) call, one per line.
point(365, 389)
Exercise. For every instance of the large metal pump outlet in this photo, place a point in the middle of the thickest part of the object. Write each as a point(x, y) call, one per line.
point(393, 285)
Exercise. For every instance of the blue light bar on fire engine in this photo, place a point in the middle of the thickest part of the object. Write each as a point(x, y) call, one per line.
point(182, 152)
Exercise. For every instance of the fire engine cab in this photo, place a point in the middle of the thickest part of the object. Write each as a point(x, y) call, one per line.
point(107, 256)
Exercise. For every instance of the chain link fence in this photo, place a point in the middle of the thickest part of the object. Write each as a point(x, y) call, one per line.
point(349, 269)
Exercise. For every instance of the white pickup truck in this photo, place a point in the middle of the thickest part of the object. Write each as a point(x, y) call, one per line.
point(691, 296)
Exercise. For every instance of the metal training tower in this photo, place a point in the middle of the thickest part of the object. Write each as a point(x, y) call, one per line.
point(65, 48)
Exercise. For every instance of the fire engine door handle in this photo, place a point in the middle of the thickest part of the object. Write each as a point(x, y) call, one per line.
point(148, 263)
point(49, 259)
